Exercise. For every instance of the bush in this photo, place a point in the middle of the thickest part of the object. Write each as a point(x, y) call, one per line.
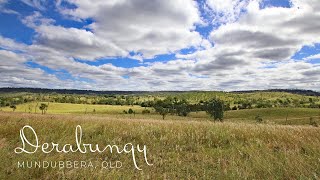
point(130, 111)
point(13, 107)
point(258, 119)
point(145, 111)
point(227, 107)
point(313, 122)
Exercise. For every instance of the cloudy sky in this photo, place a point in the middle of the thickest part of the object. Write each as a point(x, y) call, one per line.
point(160, 44)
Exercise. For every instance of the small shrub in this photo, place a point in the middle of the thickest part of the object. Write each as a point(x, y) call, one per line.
point(313, 122)
point(145, 111)
point(13, 107)
point(258, 119)
point(130, 111)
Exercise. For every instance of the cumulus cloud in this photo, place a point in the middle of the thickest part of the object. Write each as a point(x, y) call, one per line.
point(14, 73)
point(249, 41)
point(10, 44)
point(13, 67)
point(283, 33)
point(251, 49)
point(312, 57)
point(242, 48)
point(147, 27)
point(73, 42)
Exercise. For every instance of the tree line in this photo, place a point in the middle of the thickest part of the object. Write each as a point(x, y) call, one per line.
point(174, 106)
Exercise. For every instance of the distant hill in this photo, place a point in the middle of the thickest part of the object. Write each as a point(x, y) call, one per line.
point(77, 91)
point(293, 91)
point(63, 91)
point(73, 91)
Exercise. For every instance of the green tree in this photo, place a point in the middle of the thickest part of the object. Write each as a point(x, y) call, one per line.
point(130, 111)
point(162, 111)
point(182, 109)
point(13, 107)
point(215, 108)
point(43, 107)
point(164, 107)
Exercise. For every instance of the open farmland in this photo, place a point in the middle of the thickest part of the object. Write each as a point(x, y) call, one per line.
point(269, 135)
point(289, 116)
point(178, 149)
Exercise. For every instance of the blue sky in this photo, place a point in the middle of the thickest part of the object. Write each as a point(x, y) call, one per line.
point(129, 46)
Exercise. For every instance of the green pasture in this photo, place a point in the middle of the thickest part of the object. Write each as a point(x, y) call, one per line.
point(285, 116)
point(67, 108)
point(180, 149)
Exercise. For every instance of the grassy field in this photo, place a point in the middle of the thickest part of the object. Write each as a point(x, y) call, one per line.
point(285, 116)
point(178, 149)
point(283, 146)
point(67, 108)
point(197, 96)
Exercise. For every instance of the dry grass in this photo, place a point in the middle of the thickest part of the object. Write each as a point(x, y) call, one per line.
point(68, 108)
point(179, 149)
point(289, 116)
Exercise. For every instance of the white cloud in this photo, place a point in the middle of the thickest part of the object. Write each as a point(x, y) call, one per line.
point(7, 43)
point(226, 11)
point(72, 42)
point(9, 58)
point(251, 51)
point(13, 72)
point(148, 27)
point(77, 43)
point(5, 10)
point(38, 4)
point(316, 56)
point(284, 32)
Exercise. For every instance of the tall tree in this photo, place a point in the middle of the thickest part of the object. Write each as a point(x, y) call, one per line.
point(43, 107)
point(215, 108)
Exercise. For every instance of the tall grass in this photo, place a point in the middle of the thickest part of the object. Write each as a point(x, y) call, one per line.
point(68, 108)
point(178, 149)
